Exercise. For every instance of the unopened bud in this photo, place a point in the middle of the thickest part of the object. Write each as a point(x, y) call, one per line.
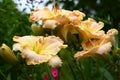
point(35, 28)
point(7, 54)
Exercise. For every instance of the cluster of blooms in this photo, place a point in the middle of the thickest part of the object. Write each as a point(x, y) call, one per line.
point(39, 49)
point(94, 40)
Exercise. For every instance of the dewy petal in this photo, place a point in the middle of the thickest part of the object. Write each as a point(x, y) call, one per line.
point(33, 58)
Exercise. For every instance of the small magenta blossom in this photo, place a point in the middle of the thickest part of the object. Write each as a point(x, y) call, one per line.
point(54, 72)
point(46, 77)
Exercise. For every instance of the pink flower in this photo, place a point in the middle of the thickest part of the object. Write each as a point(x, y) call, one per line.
point(54, 73)
point(46, 77)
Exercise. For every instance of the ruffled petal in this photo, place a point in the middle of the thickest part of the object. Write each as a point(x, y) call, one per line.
point(55, 61)
point(40, 14)
point(33, 58)
point(52, 45)
point(85, 54)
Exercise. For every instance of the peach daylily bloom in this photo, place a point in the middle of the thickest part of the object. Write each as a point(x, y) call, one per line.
point(101, 45)
point(38, 49)
point(58, 18)
point(57, 15)
point(90, 29)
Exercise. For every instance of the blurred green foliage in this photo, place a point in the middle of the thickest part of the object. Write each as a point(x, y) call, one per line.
point(13, 22)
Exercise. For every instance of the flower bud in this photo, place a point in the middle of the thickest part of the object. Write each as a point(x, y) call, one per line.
point(7, 54)
point(35, 28)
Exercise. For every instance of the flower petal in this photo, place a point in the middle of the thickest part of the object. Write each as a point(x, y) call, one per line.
point(40, 14)
point(55, 61)
point(84, 54)
point(104, 48)
point(52, 45)
point(33, 58)
point(50, 24)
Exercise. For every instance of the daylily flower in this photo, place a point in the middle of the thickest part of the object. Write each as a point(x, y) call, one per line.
point(38, 49)
point(101, 45)
point(56, 17)
point(90, 29)
point(57, 14)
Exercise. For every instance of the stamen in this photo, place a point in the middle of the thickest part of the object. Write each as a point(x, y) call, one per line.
point(91, 42)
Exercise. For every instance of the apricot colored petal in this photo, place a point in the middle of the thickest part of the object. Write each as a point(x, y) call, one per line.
point(40, 14)
point(33, 58)
point(85, 54)
point(55, 61)
point(105, 48)
point(111, 33)
point(50, 24)
point(76, 16)
point(85, 35)
point(17, 47)
point(91, 25)
point(66, 29)
point(52, 45)
point(26, 40)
